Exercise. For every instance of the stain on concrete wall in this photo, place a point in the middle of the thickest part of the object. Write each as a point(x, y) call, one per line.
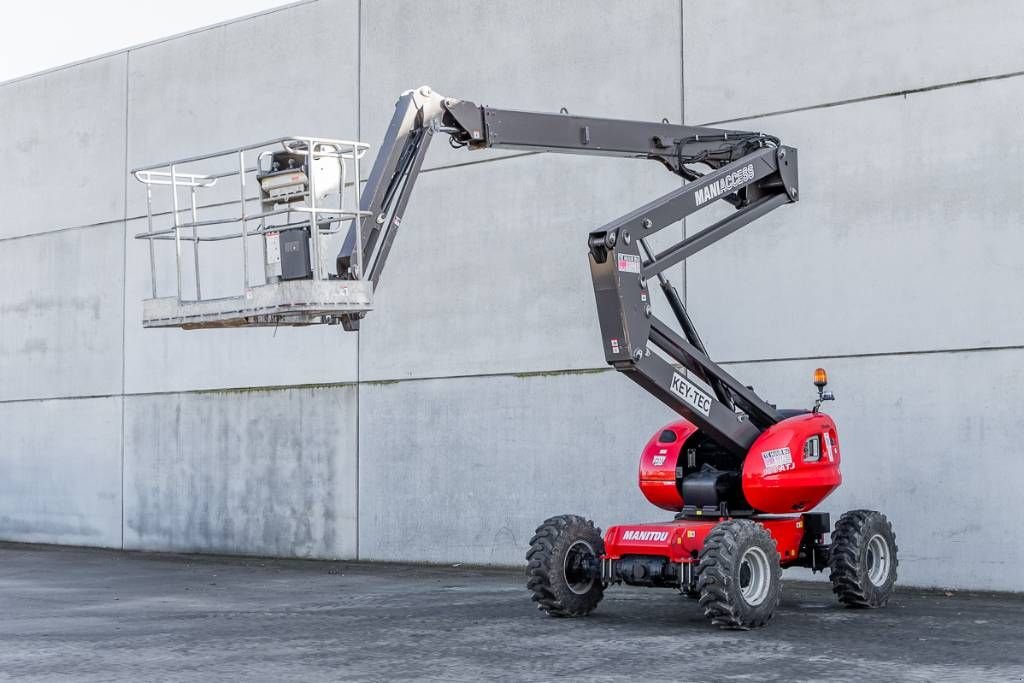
point(258, 471)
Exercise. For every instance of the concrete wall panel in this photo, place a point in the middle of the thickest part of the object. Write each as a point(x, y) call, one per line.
point(292, 72)
point(251, 472)
point(63, 148)
point(621, 60)
point(161, 360)
point(748, 58)
point(930, 440)
point(61, 465)
point(60, 314)
point(209, 91)
point(905, 238)
point(490, 272)
point(463, 470)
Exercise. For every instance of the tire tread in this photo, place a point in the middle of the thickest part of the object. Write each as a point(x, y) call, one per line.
point(846, 572)
point(542, 572)
point(717, 563)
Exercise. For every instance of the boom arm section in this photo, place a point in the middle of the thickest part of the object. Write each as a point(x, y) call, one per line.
point(751, 171)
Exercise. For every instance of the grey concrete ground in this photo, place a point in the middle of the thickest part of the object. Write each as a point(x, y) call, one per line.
point(76, 614)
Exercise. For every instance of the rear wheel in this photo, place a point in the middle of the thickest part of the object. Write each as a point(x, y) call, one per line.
point(863, 559)
point(738, 575)
point(564, 566)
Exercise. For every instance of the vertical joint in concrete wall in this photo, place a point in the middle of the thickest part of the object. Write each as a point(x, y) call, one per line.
point(124, 278)
point(359, 136)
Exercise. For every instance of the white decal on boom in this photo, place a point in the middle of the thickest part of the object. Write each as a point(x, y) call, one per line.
point(724, 186)
point(691, 394)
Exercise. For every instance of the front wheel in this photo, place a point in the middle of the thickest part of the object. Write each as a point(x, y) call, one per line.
point(738, 575)
point(564, 563)
point(863, 559)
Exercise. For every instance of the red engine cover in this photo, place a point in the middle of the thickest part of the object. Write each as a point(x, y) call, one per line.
point(658, 465)
point(776, 477)
point(779, 477)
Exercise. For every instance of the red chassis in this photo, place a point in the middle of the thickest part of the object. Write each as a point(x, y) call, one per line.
point(680, 541)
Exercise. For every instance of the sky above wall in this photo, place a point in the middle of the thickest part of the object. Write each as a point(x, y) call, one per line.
point(50, 33)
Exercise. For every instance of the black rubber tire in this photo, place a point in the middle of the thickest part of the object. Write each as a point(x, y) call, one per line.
point(851, 559)
point(720, 575)
point(556, 544)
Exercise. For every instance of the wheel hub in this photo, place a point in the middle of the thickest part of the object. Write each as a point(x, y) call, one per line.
point(755, 576)
point(577, 567)
point(879, 559)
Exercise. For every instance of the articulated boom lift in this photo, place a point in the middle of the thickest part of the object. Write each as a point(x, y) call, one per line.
point(741, 474)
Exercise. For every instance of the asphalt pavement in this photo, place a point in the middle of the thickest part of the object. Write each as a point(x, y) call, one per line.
point(93, 615)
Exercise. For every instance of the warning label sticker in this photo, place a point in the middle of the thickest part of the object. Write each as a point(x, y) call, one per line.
point(777, 460)
point(273, 247)
point(629, 263)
